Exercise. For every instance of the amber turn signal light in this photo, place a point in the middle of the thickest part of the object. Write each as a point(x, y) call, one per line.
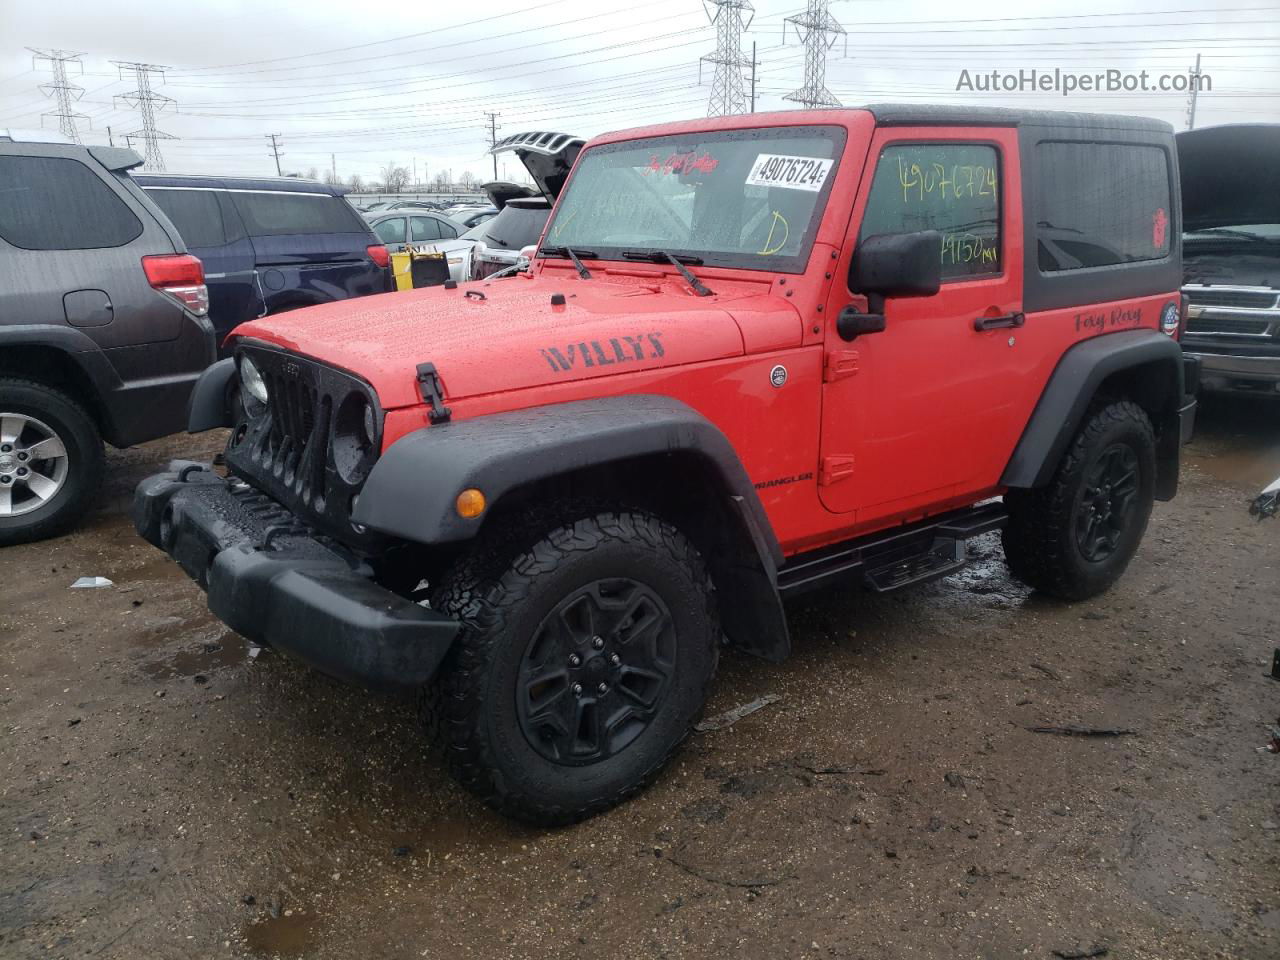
point(470, 503)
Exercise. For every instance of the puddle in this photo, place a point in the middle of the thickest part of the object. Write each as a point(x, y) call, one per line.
point(200, 659)
point(1237, 442)
point(282, 936)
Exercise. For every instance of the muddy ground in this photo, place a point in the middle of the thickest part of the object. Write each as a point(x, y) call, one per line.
point(165, 795)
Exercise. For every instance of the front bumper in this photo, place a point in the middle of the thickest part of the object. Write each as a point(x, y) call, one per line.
point(1225, 371)
point(273, 581)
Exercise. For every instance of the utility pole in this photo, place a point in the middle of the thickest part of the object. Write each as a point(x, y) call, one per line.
point(275, 151)
point(1195, 90)
point(753, 76)
point(333, 167)
point(727, 96)
point(61, 89)
point(818, 31)
point(111, 141)
point(493, 139)
point(148, 104)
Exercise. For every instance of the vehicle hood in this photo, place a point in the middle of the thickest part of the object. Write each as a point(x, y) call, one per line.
point(1230, 175)
point(516, 338)
point(1233, 267)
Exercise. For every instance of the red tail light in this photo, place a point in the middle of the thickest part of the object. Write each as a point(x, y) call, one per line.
point(378, 254)
point(180, 277)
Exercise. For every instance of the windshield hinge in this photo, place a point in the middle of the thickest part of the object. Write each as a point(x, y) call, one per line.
point(840, 364)
point(429, 385)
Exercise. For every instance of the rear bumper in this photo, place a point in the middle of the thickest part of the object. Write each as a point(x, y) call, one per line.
point(272, 581)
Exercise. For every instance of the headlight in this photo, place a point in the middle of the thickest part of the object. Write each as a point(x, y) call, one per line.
point(251, 380)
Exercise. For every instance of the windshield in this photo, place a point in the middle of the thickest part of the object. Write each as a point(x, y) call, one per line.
point(742, 198)
point(513, 227)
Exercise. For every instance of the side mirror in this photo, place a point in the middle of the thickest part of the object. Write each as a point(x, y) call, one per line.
point(890, 265)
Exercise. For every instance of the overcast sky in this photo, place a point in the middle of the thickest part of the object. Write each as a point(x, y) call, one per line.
point(361, 85)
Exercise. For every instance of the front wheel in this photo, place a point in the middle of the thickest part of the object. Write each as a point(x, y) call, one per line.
point(1075, 537)
point(583, 662)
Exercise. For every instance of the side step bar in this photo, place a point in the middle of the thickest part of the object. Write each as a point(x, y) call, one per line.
point(897, 557)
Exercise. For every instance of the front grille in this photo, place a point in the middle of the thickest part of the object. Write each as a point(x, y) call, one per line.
point(1236, 325)
point(1247, 299)
point(307, 449)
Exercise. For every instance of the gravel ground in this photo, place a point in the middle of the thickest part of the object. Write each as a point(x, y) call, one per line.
point(166, 795)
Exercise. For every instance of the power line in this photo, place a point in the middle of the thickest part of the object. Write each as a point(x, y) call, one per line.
point(818, 31)
point(148, 103)
point(61, 89)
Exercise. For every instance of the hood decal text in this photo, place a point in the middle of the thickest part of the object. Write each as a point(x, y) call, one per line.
point(605, 353)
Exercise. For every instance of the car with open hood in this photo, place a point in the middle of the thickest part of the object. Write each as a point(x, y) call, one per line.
point(753, 355)
point(1231, 254)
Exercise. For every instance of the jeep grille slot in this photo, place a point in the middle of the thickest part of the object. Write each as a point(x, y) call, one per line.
point(287, 449)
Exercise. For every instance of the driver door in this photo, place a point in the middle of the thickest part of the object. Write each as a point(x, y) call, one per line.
point(912, 415)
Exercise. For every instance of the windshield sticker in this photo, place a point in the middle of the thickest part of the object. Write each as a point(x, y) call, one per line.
point(598, 353)
point(794, 173)
point(682, 163)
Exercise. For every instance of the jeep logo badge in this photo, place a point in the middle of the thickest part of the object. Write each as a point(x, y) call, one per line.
point(778, 375)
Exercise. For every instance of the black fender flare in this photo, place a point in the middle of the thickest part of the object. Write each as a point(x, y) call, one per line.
point(208, 407)
point(1074, 383)
point(412, 489)
point(84, 354)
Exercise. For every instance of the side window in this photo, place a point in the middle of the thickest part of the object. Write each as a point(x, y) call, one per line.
point(953, 188)
point(271, 214)
point(1098, 204)
point(423, 228)
point(391, 231)
point(56, 203)
point(196, 213)
point(447, 230)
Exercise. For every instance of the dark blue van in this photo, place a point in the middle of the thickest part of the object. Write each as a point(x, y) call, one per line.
point(271, 244)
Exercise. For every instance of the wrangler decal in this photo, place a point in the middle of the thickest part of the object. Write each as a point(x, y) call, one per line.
point(783, 481)
point(605, 353)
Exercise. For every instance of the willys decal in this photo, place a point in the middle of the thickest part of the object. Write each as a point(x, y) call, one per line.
point(605, 353)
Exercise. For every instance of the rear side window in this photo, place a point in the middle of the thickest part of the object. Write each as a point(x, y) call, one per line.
point(953, 188)
point(196, 213)
point(56, 203)
point(1099, 204)
point(268, 214)
point(424, 228)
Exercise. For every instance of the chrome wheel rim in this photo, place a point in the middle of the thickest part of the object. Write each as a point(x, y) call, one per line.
point(33, 464)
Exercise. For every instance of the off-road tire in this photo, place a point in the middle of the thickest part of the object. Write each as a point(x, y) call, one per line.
point(1041, 542)
point(501, 593)
point(78, 431)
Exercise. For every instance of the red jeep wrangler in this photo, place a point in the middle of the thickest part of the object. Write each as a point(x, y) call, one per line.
point(752, 356)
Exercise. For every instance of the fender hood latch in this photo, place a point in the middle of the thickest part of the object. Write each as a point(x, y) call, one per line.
point(432, 393)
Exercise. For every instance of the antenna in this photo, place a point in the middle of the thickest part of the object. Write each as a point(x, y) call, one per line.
point(818, 31)
point(727, 94)
point(61, 89)
point(148, 104)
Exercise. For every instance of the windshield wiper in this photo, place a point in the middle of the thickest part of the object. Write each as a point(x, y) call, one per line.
point(562, 251)
point(662, 256)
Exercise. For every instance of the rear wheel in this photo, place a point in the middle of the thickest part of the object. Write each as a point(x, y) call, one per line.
point(50, 461)
point(1075, 537)
point(584, 659)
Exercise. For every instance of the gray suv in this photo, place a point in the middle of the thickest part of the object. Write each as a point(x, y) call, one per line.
point(102, 326)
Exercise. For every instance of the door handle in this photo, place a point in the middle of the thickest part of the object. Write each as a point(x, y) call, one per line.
point(997, 323)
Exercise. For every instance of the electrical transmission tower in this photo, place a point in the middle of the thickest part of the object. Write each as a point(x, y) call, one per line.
point(148, 104)
point(818, 31)
point(493, 138)
point(727, 93)
point(61, 89)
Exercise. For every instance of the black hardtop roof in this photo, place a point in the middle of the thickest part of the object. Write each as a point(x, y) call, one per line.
point(925, 114)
